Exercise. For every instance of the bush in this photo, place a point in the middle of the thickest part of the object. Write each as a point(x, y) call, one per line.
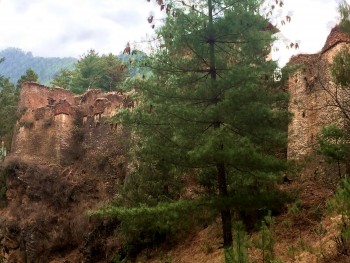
point(340, 203)
point(266, 240)
point(333, 145)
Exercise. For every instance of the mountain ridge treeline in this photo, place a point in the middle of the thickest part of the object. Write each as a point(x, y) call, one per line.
point(17, 61)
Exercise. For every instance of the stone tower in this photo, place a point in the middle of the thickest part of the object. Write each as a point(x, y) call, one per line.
point(311, 101)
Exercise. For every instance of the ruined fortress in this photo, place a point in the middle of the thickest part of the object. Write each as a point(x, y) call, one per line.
point(312, 90)
point(51, 118)
point(66, 159)
point(69, 161)
point(53, 121)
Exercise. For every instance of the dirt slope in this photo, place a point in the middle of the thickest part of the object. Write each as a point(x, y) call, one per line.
point(304, 234)
point(45, 219)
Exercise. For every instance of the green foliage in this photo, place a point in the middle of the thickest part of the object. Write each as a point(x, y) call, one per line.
point(332, 142)
point(148, 185)
point(240, 245)
point(340, 67)
point(180, 109)
point(295, 207)
point(105, 72)
point(63, 79)
point(209, 107)
point(8, 110)
point(17, 62)
point(29, 76)
point(143, 226)
point(266, 240)
point(3, 152)
point(340, 204)
point(343, 9)
point(333, 145)
point(341, 201)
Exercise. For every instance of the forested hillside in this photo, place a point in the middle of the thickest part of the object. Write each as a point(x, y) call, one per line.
point(18, 61)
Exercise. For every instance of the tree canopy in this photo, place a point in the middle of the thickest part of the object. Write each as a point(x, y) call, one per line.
point(210, 108)
point(30, 75)
point(344, 11)
point(92, 70)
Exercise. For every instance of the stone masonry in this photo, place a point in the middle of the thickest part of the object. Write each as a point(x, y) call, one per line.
point(310, 100)
point(51, 120)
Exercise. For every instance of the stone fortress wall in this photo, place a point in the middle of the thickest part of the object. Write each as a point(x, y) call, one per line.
point(50, 117)
point(51, 120)
point(310, 100)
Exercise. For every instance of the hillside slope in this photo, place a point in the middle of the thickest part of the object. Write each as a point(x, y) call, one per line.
point(64, 162)
point(17, 62)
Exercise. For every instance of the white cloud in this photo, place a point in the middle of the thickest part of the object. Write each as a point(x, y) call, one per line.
point(311, 23)
point(70, 28)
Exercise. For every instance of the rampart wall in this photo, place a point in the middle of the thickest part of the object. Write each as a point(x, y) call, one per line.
point(311, 88)
point(53, 122)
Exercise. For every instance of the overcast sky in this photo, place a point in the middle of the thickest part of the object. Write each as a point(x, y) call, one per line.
point(72, 27)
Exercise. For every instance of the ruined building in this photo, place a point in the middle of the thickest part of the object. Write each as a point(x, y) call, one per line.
point(53, 121)
point(312, 93)
point(66, 160)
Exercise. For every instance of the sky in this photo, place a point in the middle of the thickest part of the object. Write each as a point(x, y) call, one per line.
point(61, 28)
point(311, 23)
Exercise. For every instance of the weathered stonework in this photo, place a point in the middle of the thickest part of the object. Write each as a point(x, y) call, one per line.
point(310, 99)
point(51, 118)
point(65, 160)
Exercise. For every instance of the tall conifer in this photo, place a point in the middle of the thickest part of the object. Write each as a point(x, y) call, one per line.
point(210, 105)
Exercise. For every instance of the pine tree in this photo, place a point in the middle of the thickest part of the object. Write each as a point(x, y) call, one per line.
point(105, 72)
point(211, 106)
point(30, 75)
point(63, 79)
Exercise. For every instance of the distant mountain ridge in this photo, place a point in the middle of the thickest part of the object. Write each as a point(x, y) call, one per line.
point(18, 61)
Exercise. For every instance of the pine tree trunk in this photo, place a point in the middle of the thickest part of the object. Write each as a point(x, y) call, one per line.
point(225, 212)
point(221, 173)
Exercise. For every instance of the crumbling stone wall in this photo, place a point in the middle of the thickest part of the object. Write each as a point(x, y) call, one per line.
point(310, 101)
point(51, 120)
point(65, 161)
